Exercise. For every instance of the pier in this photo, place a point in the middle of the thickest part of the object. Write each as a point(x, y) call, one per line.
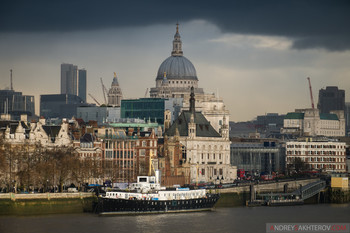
point(297, 197)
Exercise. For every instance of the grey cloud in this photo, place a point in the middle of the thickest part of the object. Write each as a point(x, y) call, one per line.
point(311, 23)
point(335, 44)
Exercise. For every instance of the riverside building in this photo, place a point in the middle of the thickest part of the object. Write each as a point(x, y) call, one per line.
point(317, 154)
point(257, 155)
point(205, 153)
point(310, 122)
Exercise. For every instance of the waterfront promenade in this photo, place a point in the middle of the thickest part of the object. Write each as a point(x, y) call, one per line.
point(270, 186)
point(47, 196)
point(46, 203)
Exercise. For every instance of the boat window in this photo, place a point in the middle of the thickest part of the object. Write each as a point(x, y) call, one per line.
point(142, 179)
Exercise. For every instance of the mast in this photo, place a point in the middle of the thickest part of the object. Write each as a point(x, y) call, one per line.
point(11, 80)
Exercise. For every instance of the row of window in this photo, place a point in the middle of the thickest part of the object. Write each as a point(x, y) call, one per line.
point(316, 146)
point(318, 159)
point(125, 163)
point(119, 154)
point(298, 152)
point(184, 82)
point(213, 157)
point(202, 172)
point(84, 155)
point(112, 144)
point(327, 166)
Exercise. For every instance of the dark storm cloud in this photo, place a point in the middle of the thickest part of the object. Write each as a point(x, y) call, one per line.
point(310, 23)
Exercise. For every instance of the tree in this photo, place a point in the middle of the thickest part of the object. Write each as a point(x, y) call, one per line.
point(8, 167)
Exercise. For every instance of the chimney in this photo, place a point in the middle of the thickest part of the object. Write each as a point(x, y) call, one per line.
point(130, 131)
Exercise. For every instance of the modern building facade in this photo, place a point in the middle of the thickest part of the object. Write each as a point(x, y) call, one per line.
point(60, 105)
point(257, 156)
point(317, 154)
point(310, 122)
point(82, 84)
point(101, 115)
point(71, 83)
point(150, 108)
point(347, 118)
point(331, 99)
point(15, 104)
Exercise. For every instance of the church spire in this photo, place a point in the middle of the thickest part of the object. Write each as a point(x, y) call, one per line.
point(177, 44)
point(192, 102)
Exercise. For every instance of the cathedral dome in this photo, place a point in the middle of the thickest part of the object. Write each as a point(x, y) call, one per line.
point(177, 67)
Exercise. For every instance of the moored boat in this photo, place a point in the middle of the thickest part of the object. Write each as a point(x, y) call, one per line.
point(147, 197)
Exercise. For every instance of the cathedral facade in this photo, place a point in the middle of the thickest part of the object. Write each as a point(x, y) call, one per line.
point(175, 77)
point(205, 155)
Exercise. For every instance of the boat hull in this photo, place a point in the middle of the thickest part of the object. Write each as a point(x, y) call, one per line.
point(114, 206)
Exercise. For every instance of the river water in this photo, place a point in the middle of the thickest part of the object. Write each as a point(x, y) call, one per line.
point(237, 220)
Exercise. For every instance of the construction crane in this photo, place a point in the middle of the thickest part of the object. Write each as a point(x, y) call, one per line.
point(104, 90)
point(94, 99)
point(312, 98)
point(146, 92)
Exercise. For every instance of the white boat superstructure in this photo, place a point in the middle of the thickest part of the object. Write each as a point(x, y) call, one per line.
point(178, 194)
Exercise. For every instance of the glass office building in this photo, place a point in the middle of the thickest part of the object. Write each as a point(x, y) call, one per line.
point(150, 108)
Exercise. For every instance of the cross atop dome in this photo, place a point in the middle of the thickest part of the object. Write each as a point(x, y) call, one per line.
point(177, 44)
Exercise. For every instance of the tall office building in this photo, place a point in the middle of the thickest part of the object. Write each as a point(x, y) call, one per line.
point(82, 84)
point(73, 81)
point(330, 99)
point(347, 118)
point(15, 104)
point(69, 79)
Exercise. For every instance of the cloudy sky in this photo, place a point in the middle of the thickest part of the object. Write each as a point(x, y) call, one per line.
point(255, 54)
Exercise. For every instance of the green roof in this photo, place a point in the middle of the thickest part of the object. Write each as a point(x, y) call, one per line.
point(323, 116)
point(203, 127)
point(294, 115)
point(329, 116)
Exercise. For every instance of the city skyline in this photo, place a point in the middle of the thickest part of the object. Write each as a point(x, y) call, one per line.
point(255, 55)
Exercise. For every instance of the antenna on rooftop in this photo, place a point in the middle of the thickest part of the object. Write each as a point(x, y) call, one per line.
point(11, 79)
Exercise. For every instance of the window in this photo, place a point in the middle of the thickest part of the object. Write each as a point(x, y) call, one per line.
point(144, 143)
point(203, 172)
point(184, 152)
point(142, 152)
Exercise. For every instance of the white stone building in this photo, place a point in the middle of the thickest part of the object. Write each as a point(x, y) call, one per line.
point(310, 122)
point(46, 135)
point(205, 151)
point(324, 155)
